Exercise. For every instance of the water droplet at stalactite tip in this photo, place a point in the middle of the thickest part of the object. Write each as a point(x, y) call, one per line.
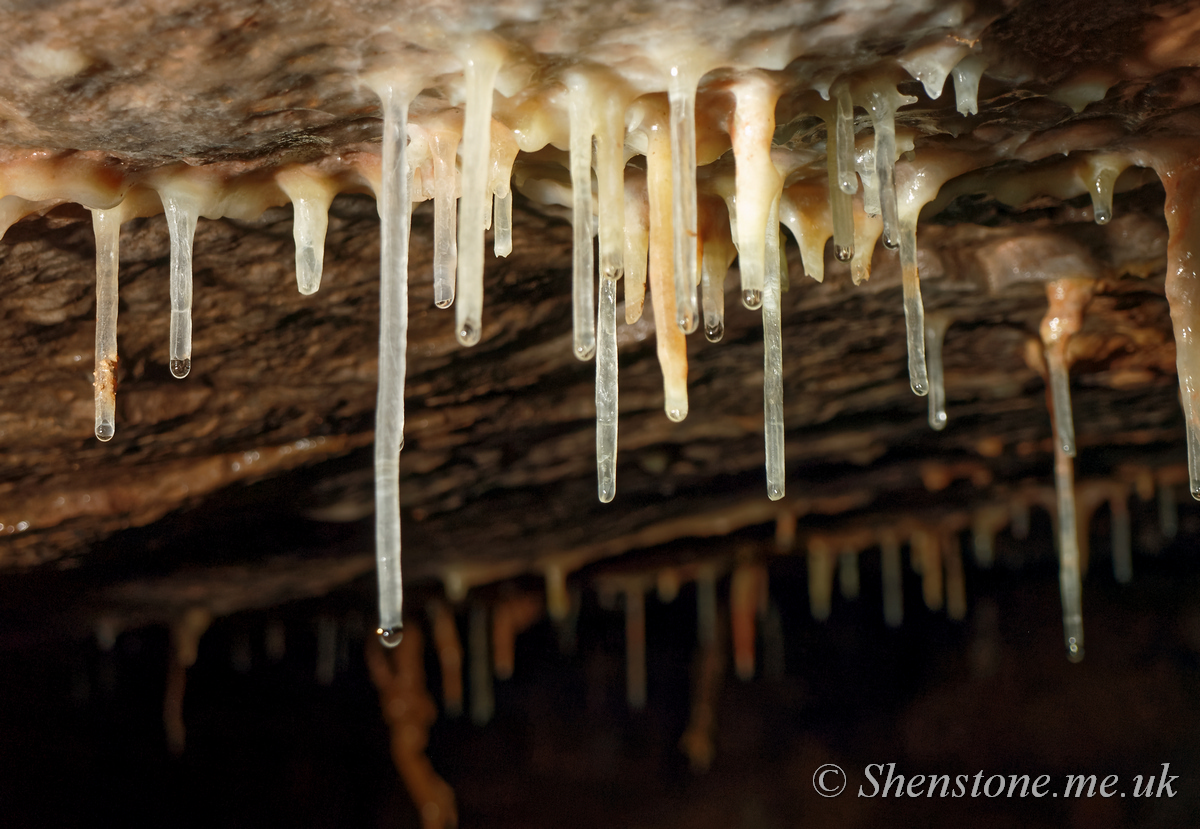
point(390, 637)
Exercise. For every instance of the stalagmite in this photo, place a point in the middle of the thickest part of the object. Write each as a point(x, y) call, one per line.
point(182, 210)
point(752, 125)
point(482, 58)
point(395, 213)
point(892, 571)
point(773, 365)
point(935, 333)
point(1067, 300)
point(311, 197)
point(106, 225)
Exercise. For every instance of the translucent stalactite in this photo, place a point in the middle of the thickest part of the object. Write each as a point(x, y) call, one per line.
point(609, 127)
point(310, 199)
point(637, 243)
point(1067, 300)
point(443, 145)
point(935, 333)
point(106, 225)
point(1122, 538)
point(966, 83)
point(182, 213)
point(914, 308)
point(773, 364)
point(892, 572)
point(606, 391)
point(482, 58)
point(841, 209)
point(1100, 173)
point(395, 213)
point(681, 93)
point(583, 302)
point(882, 106)
point(847, 182)
point(502, 222)
point(757, 182)
point(717, 254)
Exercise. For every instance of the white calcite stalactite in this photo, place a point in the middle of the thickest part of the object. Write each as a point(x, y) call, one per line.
point(1100, 172)
point(106, 225)
point(443, 147)
point(182, 210)
point(882, 100)
point(1067, 300)
point(311, 196)
point(502, 224)
point(935, 333)
point(606, 391)
point(717, 254)
point(681, 94)
point(967, 75)
point(773, 364)
point(752, 127)
point(482, 58)
point(636, 243)
point(583, 291)
point(395, 213)
point(839, 162)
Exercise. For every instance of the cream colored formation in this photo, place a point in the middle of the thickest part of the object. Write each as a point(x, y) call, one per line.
point(664, 145)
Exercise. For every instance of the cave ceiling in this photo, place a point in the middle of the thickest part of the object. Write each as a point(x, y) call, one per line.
point(249, 482)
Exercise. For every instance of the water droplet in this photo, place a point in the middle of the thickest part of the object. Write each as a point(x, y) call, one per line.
point(752, 299)
point(1102, 216)
point(1074, 651)
point(938, 421)
point(391, 636)
point(607, 491)
point(919, 389)
point(443, 303)
point(180, 368)
point(774, 492)
point(687, 323)
point(677, 415)
point(105, 431)
point(890, 243)
point(1196, 493)
point(713, 332)
point(468, 335)
point(844, 253)
point(585, 352)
